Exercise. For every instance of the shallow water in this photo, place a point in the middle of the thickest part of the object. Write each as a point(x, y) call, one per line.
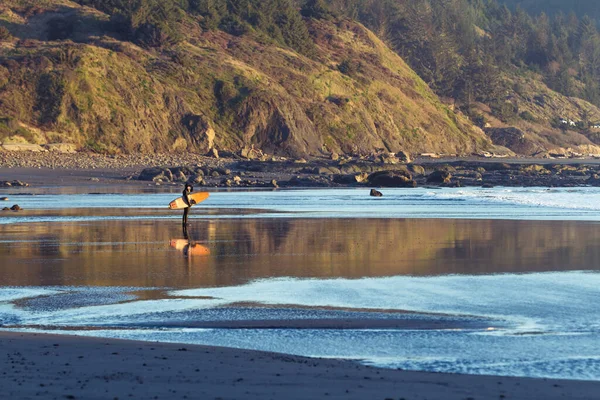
point(460, 203)
point(292, 272)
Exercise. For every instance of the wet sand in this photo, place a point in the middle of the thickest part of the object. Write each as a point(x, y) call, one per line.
point(64, 367)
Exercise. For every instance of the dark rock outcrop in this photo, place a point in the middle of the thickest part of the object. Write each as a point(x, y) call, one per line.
point(443, 177)
point(155, 174)
point(514, 139)
point(13, 184)
point(416, 169)
point(398, 178)
point(375, 193)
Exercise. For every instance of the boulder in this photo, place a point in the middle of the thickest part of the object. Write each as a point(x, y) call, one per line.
point(5, 209)
point(350, 179)
point(23, 147)
point(66, 148)
point(155, 174)
point(180, 176)
point(416, 169)
point(198, 180)
point(403, 157)
point(439, 176)
point(375, 193)
point(534, 169)
point(3, 198)
point(514, 139)
point(344, 179)
point(593, 180)
point(399, 178)
point(250, 153)
point(497, 166)
point(16, 207)
point(389, 159)
point(362, 177)
point(14, 183)
point(214, 153)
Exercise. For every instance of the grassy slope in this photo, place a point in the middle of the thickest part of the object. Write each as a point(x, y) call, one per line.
point(119, 97)
point(530, 94)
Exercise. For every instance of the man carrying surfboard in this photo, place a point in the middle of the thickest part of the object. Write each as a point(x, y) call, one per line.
point(187, 198)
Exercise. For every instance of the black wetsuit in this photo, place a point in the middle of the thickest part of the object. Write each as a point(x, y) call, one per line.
point(188, 201)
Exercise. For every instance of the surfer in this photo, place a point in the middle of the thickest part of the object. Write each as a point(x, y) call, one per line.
point(187, 191)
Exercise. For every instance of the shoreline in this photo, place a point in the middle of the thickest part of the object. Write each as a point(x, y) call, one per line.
point(160, 171)
point(45, 366)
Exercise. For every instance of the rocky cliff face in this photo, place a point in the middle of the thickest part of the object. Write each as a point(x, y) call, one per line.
point(353, 95)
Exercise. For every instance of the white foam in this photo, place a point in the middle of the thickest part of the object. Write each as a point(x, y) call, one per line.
point(111, 313)
point(531, 301)
point(18, 293)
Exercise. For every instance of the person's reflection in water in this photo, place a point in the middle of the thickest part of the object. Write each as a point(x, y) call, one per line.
point(188, 246)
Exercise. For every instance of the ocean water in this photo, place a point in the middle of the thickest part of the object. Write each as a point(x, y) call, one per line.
point(506, 282)
point(461, 203)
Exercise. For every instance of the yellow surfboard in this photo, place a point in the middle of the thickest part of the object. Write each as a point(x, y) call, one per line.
point(179, 204)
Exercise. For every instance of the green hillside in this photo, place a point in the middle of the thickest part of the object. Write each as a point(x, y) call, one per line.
point(298, 78)
point(502, 67)
point(115, 80)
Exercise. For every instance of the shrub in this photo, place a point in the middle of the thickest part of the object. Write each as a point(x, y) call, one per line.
point(317, 9)
point(25, 134)
point(95, 146)
point(233, 26)
point(527, 116)
point(5, 35)
point(479, 120)
point(60, 29)
point(505, 110)
point(225, 92)
point(349, 67)
point(50, 94)
point(5, 131)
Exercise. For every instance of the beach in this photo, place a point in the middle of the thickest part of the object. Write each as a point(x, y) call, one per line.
point(422, 294)
point(51, 366)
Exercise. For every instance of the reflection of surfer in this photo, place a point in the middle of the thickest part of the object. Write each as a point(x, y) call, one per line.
point(188, 246)
point(187, 191)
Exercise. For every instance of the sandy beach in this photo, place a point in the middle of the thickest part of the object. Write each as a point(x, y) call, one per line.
point(62, 367)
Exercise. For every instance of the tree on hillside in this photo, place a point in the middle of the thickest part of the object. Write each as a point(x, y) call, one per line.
point(152, 23)
point(316, 9)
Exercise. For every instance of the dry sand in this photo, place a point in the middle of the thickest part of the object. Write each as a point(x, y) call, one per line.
point(36, 366)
